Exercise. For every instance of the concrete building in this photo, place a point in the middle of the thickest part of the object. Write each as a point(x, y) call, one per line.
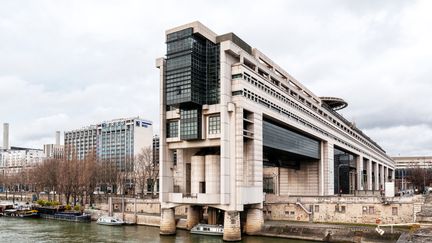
point(234, 124)
point(54, 151)
point(14, 159)
point(405, 165)
point(117, 140)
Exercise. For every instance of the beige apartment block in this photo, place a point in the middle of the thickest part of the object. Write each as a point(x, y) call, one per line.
point(235, 125)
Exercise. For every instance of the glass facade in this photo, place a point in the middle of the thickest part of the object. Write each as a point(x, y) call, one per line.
point(190, 123)
point(214, 125)
point(344, 172)
point(172, 129)
point(192, 78)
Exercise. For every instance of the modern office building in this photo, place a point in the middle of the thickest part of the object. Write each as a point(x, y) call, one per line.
point(406, 166)
point(155, 149)
point(80, 142)
point(117, 140)
point(54, 151)
point(232, 119)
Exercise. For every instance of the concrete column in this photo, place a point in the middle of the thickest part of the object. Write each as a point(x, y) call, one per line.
point(193, 216)
point(359, 168)
point(254, 221)
point(232, 226)
point(393, 175)
point(211, 215)
point(212, 174)
point(369, 174)
point(167, 222)
point(197, 173)
point(382, 177)
point(386, 174)
point(376, 172)
point(6, 136)
point(328, 152)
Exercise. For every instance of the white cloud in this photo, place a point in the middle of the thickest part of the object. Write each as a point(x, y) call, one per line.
point(65, 64)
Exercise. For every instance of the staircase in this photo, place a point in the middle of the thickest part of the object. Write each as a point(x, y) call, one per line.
point(425, 214)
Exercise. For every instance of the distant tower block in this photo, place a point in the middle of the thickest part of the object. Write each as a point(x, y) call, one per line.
point(57, 137)
point(6, 136)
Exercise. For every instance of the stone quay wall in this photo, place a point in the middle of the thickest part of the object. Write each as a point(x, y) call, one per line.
point(350, 210)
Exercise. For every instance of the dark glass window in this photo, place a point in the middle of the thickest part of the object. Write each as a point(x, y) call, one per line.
point(172, 129)
point(192, 71)
point(268, 185)
point(214, 125)
point(190, 123)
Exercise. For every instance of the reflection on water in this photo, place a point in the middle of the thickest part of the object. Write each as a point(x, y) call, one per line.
point(41, 230)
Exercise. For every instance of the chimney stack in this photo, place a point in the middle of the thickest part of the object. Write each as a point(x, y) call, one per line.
point(6, 136)
point(57, 137)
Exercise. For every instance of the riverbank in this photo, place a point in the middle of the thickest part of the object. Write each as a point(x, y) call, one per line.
point(40, 230)
point(283, 229)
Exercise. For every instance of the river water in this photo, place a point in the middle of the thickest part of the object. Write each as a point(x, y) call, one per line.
point(42, 230)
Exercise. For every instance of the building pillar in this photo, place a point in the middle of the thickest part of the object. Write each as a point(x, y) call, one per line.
point(359, 172)
point(211, 215)
point(167, 222)
point(254, 221)
point(369, 175)
point(376, 173)
point(386, 174)
point(382, 177)
point(328, 164)
point(197, 173)
point(212, 174)
point(232, 226)
point(193, 216)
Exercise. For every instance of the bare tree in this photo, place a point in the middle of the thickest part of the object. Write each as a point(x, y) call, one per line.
point(146, 171)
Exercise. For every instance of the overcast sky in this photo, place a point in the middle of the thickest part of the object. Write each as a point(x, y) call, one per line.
point(66, 64)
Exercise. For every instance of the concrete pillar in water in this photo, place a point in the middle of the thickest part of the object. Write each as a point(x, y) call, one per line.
point(167, 222)
point(211, 215)
point(212, 174)
point(193, 216)
point(197, 173)
point(254, 221)
point(232, 230)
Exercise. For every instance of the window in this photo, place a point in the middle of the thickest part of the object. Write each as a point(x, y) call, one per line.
point(214, 124)
point(175, 157)
point(394, 211)
point(316, 209)
point(371, 210)
point(172, 129)
point(268, 185)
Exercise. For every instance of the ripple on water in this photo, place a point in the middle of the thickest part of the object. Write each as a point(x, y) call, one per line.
point(47, 231)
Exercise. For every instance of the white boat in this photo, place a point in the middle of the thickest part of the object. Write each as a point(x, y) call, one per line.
point(107, 220)
point(207, 229)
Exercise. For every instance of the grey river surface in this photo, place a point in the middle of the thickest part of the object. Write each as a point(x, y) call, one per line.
point(41, 230)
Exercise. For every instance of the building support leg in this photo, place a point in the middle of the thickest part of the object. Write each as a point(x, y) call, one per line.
point(254, 221)
point(167, 222)
point(232, 230)
point(211, 215)
point(193, 216)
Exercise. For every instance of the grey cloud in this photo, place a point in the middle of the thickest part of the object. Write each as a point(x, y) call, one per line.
point(65, 64)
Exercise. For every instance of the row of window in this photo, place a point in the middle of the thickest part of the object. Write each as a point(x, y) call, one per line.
point(279, 96)
point(214, 126)
point(277, 108)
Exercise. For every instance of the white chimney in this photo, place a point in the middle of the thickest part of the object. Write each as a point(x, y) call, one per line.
point(57, 137)
point(6, 136)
